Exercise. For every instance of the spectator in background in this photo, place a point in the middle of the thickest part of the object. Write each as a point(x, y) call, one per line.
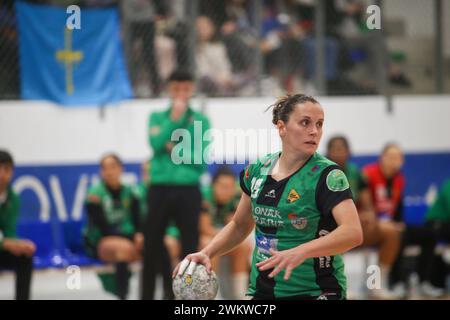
point(438, 219)
point(387, 183)
point(174, 192)
point(213, 66)
point(9, 63)
point(172, 42)
point(113, 222)
point(16, 254)
point(220, 201)
point(234, 21)
point(241, 41)
point(377, 232)
point(282, 52)
point(348, 43)
point(336, 58)
point(359, 42)
point(141, 16)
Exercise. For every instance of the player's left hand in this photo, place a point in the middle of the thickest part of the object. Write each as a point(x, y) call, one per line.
point(138, 240)
point(286, 259)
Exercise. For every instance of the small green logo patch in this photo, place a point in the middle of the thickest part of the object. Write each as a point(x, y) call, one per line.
point(337, 181)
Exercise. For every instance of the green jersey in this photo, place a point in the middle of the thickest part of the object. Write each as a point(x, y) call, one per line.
point(440, 210)
point(356, 179)
point(290, 212)
point(140, 191)
point(163, 170)
point(9, 211)
point(218, 213)
point(118, 212)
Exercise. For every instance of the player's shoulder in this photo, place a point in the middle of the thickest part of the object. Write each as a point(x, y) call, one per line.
point(206, 192)
point(207, 197)
point(128, 188)
point(199, 115)
point(446, 186)
point(371, 168)
point(95, 192)
point(330, 172)
point(158, 114)
point(96, 188)
point(265, 162)
point(320, 163)
point(352, 167)
point(13, 196)
point(140, 189)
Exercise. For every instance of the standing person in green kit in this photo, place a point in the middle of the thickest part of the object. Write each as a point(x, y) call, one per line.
point(438, 219)
point(16, 254)
point(174, 192)
point(169, 257)
point(303, 209)
point(113, 224)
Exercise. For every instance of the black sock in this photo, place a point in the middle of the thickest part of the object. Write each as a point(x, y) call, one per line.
point(23, 277)
point(122, 280)
point(166, 273)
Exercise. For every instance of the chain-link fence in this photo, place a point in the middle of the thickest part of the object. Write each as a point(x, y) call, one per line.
point(269, 47)
point(9, 52)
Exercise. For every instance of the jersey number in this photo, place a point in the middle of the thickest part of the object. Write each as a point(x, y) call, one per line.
point(256, 185)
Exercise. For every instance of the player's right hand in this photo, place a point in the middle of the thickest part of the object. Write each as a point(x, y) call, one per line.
point(28, 247)
point(189, 263)
point(19, 247)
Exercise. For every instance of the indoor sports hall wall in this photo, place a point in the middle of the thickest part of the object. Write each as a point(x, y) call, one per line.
point(56, 150)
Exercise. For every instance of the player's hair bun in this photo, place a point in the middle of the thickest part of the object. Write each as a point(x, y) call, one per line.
point(284, 106)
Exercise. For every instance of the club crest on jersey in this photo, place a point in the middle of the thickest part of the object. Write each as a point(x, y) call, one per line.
point(337, 181)
point(293, 196)
point(297, 222)
point(270, 194)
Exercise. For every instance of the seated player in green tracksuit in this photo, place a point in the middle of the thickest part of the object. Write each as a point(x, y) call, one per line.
point(303, 209)
point(220, 200)
point(113, 221)
point(15, 254)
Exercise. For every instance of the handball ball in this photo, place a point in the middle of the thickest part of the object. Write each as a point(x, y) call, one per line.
point(198, 286)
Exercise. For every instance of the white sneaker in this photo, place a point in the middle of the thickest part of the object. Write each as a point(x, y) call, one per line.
point(383, 294)
point(428, 290)
point(399, 290)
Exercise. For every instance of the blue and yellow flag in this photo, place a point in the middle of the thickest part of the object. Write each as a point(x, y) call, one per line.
point(79, 67)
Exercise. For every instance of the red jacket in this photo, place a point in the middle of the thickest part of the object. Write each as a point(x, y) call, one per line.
point(386, 203)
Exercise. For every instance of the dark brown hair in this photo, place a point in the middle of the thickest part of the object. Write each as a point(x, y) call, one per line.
point(336, 139)
point(6, 159)
point(181, 75)
point(223, 171)
point(114, 156)
point(390, 145)
point(285, 105)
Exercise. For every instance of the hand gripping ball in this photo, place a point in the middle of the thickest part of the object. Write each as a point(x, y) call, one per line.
point(198, 286)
